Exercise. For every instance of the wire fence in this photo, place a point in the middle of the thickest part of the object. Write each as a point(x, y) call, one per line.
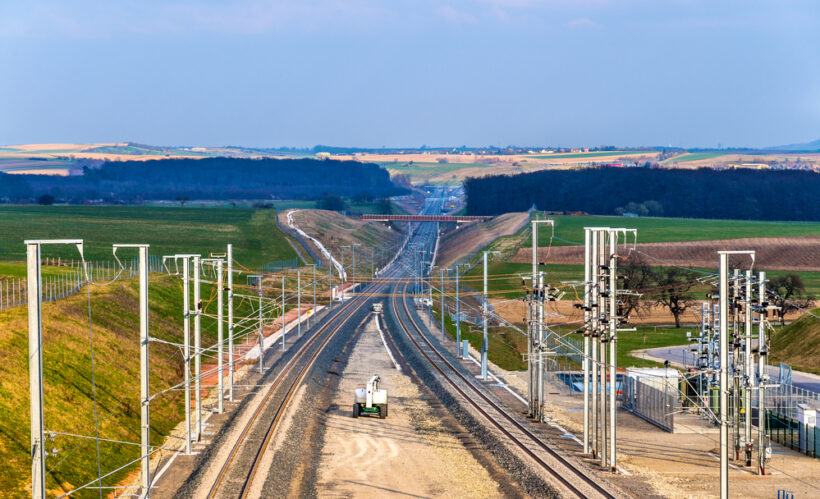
point(650, 403)
point(793, 434)
point(68, 278)
point(280, 265)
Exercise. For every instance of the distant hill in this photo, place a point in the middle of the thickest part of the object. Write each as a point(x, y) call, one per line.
point(805, 146)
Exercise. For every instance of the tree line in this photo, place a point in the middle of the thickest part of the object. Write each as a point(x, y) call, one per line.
point(700, 193)
point(207, 178)
point(673, 288)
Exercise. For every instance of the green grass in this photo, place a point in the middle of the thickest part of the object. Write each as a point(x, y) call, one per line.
point(503, 279)
point(798, 344)
point(599, 154)
point(505, 345)
point(253, 233)
point(67, 374)
point(570, 229)
point(694, 157)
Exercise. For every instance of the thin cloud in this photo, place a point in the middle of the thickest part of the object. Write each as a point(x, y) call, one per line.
point(582, 23)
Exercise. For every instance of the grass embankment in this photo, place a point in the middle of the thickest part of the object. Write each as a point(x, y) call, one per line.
point(68, 387)
point(570, 229)
point(253, 233)
point(798, 344)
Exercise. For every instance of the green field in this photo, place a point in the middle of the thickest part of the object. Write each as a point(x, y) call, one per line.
point(504, 281)
point(254, 233)
point(570, 229)
point(426, 171)
point(599, 154)
point(694, 157)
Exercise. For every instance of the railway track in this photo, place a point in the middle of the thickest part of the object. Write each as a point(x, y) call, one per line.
point(566, 473)
point(233, 470)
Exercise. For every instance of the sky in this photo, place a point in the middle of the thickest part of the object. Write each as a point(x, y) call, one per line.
point(407, 73)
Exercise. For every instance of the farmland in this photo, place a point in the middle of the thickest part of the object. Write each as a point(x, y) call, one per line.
point(569, 230)
point(253, 233)
point(598, 154)
point(694, 157)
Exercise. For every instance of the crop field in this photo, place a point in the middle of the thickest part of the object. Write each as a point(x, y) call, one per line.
point(599, 154)
point(569, 230)
point(694, 157)
point(254, 233)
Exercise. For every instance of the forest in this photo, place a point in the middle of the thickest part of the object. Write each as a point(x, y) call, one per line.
point(207, 178)
point(702, 193)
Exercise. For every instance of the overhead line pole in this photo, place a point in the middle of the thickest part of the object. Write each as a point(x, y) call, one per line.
point(585, 359)
point(145, 398)
point(724, 375)
point(220, 341)
point(230, 322)
point(602, 310)
point(198, 345)
point(593, 325)
point(763, 351)
point(34, 288)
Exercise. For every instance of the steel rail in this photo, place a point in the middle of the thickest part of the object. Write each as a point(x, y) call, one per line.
point(339, 320)
point(555, 473)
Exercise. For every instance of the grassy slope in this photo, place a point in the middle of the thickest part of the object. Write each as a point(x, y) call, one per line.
point(652, 229)
point(798, 344)
point(67, 374)
point(253, 233)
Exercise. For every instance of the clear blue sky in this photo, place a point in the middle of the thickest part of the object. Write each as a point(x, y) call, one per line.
point(411, 72)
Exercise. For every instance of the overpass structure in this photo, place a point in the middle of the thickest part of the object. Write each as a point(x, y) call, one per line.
point(425, 218)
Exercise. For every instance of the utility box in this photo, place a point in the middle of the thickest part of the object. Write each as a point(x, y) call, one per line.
point(807, 417)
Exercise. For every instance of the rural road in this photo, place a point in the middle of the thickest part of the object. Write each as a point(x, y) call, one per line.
point(675, 354)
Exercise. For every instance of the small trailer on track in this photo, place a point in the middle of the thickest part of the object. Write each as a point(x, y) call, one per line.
point(370, 400)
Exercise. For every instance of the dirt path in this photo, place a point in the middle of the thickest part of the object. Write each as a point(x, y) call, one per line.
point(408, 454)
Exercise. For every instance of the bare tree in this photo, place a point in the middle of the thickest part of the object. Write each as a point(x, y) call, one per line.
point(636, 275)
point(791, 294)
point(674, 290)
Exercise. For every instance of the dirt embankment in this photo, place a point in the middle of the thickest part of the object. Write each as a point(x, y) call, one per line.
point(335, 230)
point(773, 253)
point(460, 243)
